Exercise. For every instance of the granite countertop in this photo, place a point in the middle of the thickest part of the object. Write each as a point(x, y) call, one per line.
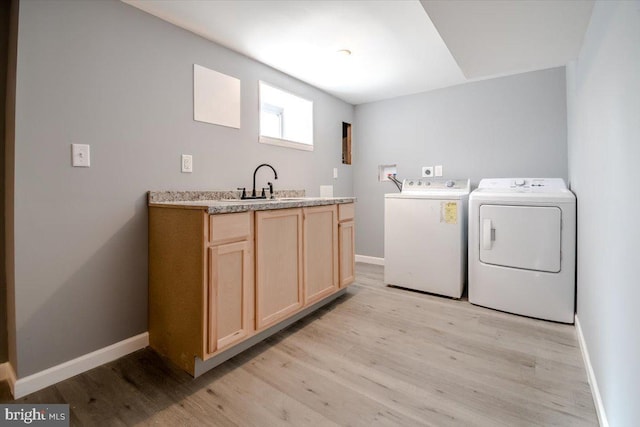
point(217, 202)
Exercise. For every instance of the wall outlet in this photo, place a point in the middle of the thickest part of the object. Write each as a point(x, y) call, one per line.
point(80, 156)
point(438, 170)
point(326, 191)
point(427, 171)
point(187, 163)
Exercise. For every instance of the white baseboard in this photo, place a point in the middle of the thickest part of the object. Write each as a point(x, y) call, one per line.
point(27, 385)
point(370, 259)
point(595, 391)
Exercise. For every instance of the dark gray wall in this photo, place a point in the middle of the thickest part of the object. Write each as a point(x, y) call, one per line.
point(5, 8)
point(107, 74)
point(9, 167)
point(504, 127)
point(604, 150)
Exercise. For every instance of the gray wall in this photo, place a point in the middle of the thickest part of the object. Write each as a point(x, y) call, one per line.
point(504, 127)
point(106, 74)
point(604, 151)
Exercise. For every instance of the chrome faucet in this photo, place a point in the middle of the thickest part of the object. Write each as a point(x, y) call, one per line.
point(263, 195)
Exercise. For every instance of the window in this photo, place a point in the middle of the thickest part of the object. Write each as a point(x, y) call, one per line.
point(271, 121)
point(285, 119)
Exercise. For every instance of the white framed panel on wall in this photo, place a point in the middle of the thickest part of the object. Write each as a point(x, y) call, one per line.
point(216, 97)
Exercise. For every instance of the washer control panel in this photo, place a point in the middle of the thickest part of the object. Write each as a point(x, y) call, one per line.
point(419, 185)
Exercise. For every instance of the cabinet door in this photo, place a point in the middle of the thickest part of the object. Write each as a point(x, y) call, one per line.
point(230, 294)
point(320, 252)
point(347, 235)
point(278, 265)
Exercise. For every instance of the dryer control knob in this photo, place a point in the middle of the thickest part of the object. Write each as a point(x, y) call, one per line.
point(450, 184)
point(519, 182)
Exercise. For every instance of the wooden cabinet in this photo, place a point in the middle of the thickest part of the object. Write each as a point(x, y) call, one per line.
point(216, 281)
point(346, 242)
point(230, 294)
point(320, 252)
point(177, 280)
point(230, 280)
point(200, 282)
point(278, 265)
point(297, 260)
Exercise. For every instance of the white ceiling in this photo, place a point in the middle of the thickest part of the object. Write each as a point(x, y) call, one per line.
point(498, 37)
point(396, 49)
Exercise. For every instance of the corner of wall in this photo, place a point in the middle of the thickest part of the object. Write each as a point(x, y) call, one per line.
point(570, 70)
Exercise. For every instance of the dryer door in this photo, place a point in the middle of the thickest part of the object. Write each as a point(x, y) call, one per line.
point(526, 237)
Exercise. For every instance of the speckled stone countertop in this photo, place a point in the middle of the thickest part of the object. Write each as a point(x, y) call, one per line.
point(218, 202)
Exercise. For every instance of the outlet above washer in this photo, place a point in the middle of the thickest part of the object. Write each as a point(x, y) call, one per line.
point(427, 171)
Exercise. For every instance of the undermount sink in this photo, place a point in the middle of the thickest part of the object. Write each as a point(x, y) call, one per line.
point(280, 199)
point(247, 200)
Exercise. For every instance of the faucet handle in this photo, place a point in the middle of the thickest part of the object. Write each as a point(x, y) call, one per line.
point(270, 190)
point(244, 192)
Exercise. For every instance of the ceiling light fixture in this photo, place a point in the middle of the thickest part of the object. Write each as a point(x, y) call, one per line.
point(344, 52)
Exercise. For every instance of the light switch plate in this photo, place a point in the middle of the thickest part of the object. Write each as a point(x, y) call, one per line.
point(335, 173)
point(187, 163)
point(80, 156)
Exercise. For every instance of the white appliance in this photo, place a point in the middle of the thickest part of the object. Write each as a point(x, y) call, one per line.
point(425, 241)
point(522, 235)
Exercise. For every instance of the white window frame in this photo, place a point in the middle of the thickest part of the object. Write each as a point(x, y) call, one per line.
point(270, 108)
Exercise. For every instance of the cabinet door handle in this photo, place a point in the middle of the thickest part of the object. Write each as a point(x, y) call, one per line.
point(487, 234)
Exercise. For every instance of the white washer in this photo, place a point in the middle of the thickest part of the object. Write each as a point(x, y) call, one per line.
point(425, 242)
point(522, 235)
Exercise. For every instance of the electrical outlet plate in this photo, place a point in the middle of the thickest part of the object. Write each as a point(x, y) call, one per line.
point(187, 163)
point(438, 170)
point(427, 171)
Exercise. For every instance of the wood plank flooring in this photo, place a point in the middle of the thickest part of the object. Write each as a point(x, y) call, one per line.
point(376, 356)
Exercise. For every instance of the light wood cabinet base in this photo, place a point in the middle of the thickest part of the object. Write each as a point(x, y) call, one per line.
point(220, 283)
point(202, 366)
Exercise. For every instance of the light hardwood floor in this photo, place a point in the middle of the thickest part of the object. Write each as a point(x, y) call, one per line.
point(376, 356)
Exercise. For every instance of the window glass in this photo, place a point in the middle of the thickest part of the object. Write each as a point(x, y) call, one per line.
point(285, 118)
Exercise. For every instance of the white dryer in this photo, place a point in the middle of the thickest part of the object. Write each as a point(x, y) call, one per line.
point(522, 247)
point(425, 236)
